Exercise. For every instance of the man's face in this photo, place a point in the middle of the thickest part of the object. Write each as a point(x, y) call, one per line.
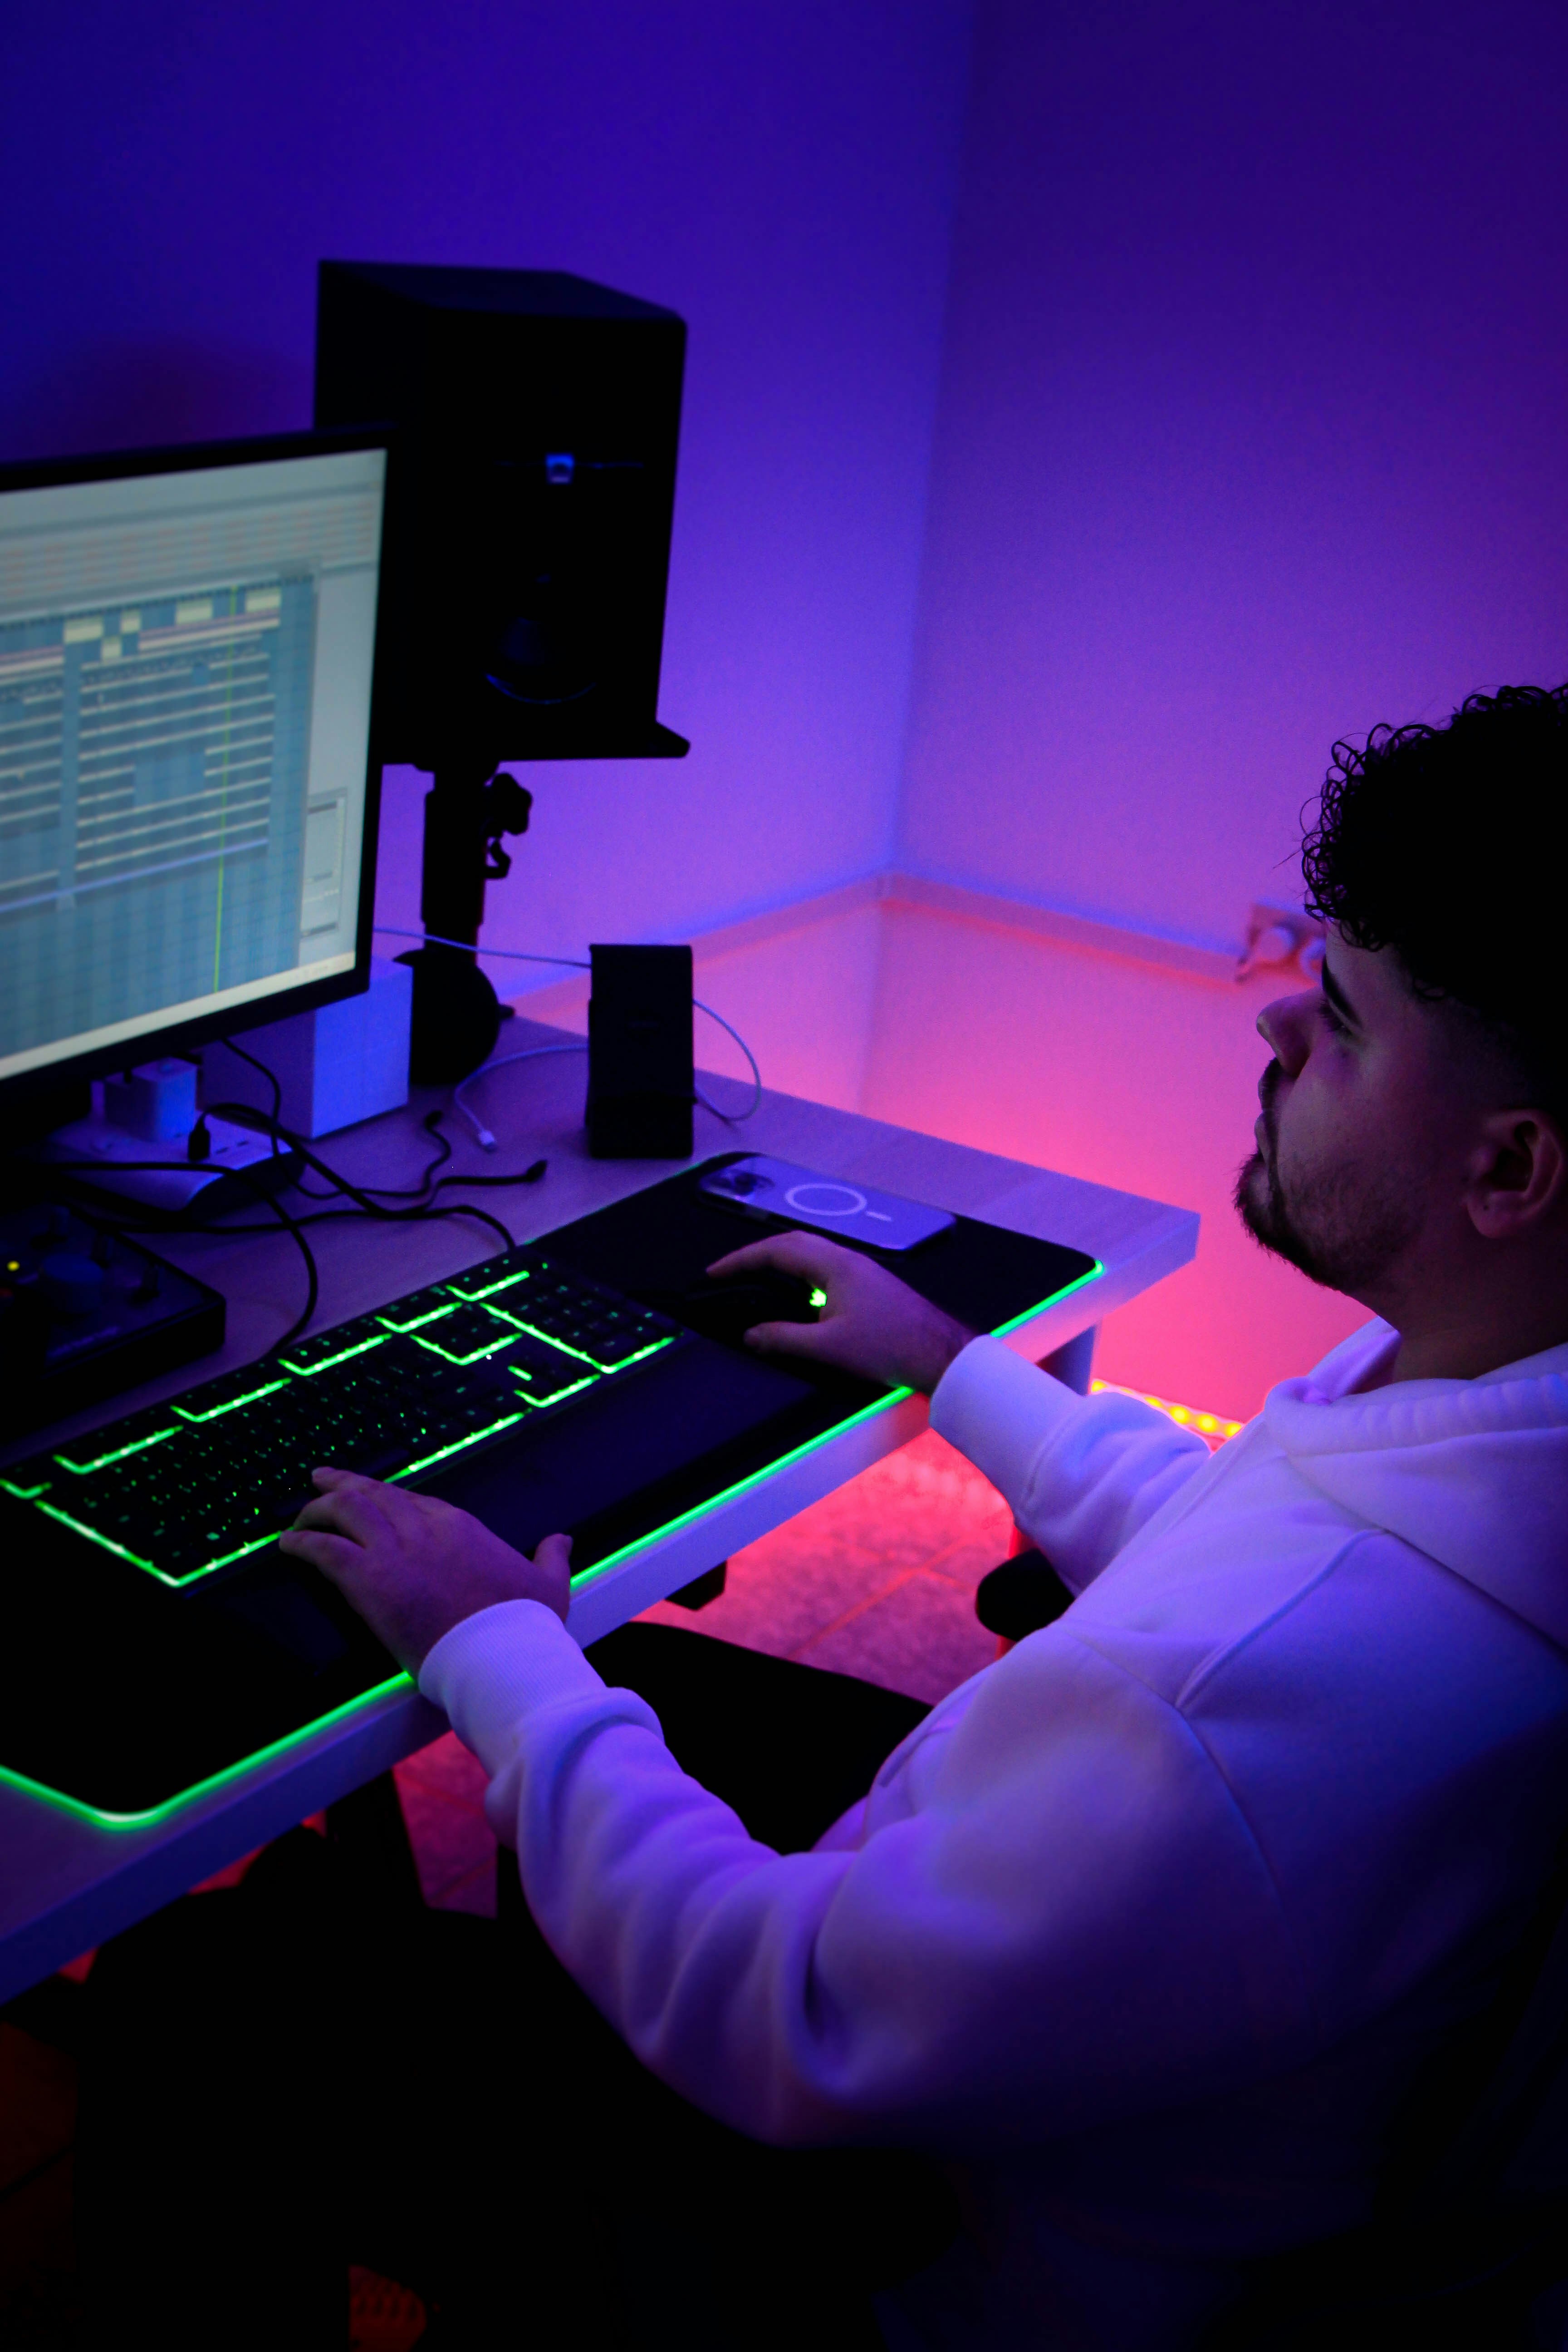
point(1368, 1111)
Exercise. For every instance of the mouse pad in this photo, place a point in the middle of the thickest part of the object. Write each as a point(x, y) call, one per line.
point(658, 1244)
point(126, 1696)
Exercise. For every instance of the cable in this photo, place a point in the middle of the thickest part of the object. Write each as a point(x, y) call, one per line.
point(272, 1080)
point(507, 955)
point(391, 1191)
point(243, 1114)
point(530, 1053)
point(366, 1194)
point(313, 1276)
point(733, 1117)
point(423, 1207)
point(290, 1223)
point(431, 1123)
point(580, 963)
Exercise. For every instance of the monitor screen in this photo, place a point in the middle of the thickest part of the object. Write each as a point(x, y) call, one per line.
point(187, 655)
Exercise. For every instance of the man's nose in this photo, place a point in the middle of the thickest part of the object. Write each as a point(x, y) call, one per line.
point(1286, 1026)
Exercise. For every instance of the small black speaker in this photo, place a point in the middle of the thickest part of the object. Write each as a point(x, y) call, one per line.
point(528, 552)
point(640, 1071)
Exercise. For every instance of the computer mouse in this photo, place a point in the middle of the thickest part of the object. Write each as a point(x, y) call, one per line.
point(728, 1310)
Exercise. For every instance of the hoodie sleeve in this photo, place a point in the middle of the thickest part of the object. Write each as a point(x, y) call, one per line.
point(1073, 1924)
point(1082, 1474)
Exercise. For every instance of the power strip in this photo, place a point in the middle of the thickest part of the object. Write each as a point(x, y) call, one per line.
point(240, 1163)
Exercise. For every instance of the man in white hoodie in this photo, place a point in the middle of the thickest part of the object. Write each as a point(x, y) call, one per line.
point(1145, 1930)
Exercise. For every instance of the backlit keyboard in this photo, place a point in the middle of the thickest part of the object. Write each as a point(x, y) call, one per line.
point(186, 1487)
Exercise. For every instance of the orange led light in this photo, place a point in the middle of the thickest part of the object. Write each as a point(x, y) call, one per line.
point(1208, 1424)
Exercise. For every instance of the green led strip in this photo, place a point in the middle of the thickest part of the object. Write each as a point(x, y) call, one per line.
point(1018, 1321)
point(233, 1405)
point(812, 1445)
point(25, 1493)
point(294, 1739)
point(635, 1550)
point(139, 1445)
point(230, 1773)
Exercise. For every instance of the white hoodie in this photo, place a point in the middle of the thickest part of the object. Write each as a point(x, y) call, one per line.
point(1149, 1924)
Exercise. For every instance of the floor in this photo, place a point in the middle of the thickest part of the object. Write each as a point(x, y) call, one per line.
point(877, 1580)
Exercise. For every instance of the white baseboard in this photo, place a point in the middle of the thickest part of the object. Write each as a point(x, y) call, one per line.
point(558, 1000)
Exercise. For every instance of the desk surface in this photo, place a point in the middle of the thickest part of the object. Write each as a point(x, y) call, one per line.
point(68, 1882)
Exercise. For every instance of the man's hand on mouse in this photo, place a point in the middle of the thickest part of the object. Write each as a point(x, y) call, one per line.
point(869, 1322)
point(413, 1567)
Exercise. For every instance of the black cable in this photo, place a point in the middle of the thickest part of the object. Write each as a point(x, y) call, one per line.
point(529, 1176)
point(276, 1121)
point(420, 1192)
point(293, 1226)
point(246, 1115)
point(368, 1199)
point(316, 1217)
point(271, 1078)
point(170, 1222)
point(284, 1141)
point(313, 1278)
point(431, 1123)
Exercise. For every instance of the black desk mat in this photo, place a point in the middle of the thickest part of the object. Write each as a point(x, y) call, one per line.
point(125, 1698)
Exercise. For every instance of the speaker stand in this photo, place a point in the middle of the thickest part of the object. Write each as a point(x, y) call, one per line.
point(456, 1014)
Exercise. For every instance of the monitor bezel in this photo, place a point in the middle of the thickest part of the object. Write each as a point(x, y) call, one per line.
point(185, 1039)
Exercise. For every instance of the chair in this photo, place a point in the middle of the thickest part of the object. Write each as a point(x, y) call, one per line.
point(1020, 1596)
point(1468, 2247)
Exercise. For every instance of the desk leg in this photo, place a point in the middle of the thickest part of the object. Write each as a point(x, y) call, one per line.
point(1072, 1364)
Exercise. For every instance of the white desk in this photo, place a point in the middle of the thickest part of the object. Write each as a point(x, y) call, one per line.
point(68, 1882)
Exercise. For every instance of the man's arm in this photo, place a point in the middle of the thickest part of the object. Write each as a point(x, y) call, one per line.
point(1082, 1476)
point(1061, 1919)
point(1058, 1913)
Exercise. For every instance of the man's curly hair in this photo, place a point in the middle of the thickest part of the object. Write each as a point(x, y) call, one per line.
point(1446, 844)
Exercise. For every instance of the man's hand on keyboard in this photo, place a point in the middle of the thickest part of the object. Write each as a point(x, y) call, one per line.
point(869, 1322)
point(413, 1567)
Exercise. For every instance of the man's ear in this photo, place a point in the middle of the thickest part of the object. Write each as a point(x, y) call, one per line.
point(1517, 1174)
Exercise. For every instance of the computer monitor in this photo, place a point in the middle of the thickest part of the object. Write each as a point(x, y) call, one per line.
point(188, 785)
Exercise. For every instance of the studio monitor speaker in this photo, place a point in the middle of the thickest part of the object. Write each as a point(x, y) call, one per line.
point(527, 554)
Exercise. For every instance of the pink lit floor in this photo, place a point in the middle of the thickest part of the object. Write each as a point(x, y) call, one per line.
point(878, 1580)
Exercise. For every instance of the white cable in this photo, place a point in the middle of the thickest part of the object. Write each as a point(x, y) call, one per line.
point(508, 955)
point(530, 1053)
point(733, 1117)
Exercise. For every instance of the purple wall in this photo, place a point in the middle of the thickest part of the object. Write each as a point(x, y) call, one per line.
point(1254, 429)
point(782, 173)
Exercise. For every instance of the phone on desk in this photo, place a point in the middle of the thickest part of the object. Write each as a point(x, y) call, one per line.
point(761, 1187)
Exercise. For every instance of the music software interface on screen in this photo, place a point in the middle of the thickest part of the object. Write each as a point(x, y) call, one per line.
point(185, 709)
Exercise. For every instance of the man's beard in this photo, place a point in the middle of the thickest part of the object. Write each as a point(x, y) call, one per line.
point(1344, 1228)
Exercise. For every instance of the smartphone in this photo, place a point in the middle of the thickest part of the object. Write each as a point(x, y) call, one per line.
point(804, 1196)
